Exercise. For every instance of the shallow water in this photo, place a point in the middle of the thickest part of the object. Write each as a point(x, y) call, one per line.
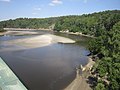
point(47, 68)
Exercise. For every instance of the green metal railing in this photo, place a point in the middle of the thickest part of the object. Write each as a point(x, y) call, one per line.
point(8, 80)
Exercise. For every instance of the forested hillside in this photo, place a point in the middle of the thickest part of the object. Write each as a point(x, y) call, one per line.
point(33, 23)
point(106, 48)
point(90, 24)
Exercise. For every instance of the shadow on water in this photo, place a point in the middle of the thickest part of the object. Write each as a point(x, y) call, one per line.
point(80, 40)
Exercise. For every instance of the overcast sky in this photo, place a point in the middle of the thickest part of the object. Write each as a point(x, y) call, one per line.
point(11, 9)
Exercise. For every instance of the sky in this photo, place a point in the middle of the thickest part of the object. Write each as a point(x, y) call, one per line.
point(11, 9)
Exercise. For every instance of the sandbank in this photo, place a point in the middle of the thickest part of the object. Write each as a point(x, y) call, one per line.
point(40, 41)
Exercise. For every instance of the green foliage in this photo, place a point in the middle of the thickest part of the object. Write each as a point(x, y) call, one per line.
point(29, 23)
point(108, 45)
point(2, 30)
point(94, 24)
point(57, 26)
point(100, 86)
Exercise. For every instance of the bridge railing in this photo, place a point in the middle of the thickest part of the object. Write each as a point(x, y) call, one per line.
point(8, 80)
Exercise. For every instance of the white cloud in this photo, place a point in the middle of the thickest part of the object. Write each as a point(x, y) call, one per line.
point(5, 0)
point(85, 1)
point(51, 4)
point(55, 2)
point(37, 9)
point(34, 13)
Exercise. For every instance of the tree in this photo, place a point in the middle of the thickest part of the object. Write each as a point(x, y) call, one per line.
point(100, 86)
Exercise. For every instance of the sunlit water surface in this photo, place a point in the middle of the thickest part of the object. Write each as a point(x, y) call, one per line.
point(46, 68)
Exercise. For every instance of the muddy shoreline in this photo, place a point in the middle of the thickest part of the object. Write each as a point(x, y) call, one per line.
point(80, 83)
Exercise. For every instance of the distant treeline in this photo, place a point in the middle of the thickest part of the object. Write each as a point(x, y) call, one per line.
point(33, 23)
point(87, 23)
point(90, 23)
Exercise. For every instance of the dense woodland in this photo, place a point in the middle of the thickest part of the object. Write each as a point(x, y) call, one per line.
point(105, 26)
point(106, 47)
point(33, 23)
point(90, 24)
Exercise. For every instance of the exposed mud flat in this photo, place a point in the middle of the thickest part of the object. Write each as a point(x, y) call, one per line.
point(40, 41)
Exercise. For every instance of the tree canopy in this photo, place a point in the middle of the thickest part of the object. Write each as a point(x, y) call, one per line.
point(108, 47)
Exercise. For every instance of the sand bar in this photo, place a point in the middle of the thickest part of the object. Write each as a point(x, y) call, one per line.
point(40, 41)
point(18, 33)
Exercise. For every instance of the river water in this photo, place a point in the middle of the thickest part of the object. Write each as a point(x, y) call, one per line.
point(46, 68)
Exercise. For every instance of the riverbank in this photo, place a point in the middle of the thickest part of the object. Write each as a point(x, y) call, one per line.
point(2, 32)
point(77, 33)
point(28, 29)
point(40, 41)
point(80, 82)
point(18, 33)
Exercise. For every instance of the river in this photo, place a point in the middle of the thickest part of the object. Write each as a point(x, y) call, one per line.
point(44, 68)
